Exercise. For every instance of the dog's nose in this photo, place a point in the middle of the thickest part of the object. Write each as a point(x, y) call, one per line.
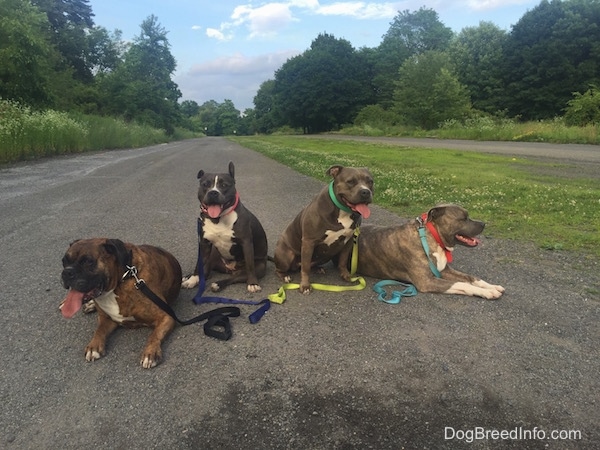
point(213, 195)
point(365, 194)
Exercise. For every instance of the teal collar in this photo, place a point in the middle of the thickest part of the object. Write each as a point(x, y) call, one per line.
point(336, 201)
point(432, 267)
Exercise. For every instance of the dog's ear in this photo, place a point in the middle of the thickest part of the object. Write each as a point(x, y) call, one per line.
point(76, 240)
point(334, 170)
point(435, 212)
point(117, 248)
point(200, 173)
point(231, 169)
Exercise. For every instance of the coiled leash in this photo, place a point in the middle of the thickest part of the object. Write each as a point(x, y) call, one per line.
point(397, 296)
point(199, 298)
point(217, 320)
point(279, 296)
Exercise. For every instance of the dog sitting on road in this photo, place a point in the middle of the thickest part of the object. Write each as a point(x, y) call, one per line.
point(397, 252)
point(230, 237)
point(94, 269)
point(323, 229)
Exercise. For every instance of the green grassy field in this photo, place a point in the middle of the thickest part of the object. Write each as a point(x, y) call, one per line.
point(518, 198)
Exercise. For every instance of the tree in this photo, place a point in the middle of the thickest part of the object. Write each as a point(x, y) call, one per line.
point(70, 20)
point(552, 51)
point(410, 33)
point(324, 87)
point(477, 54)
point(428, 91)
point(27, 58)
point(141, 87)
point(266, 116)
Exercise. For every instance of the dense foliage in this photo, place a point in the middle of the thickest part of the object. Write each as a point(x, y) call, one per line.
point(53, 56)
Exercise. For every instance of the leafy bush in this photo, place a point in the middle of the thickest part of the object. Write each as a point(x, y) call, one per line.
point(583, 109)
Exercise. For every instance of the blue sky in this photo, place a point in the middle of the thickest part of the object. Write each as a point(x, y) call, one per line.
point(226, 49)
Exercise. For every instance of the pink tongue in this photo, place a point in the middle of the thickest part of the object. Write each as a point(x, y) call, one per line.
point(72, 303)
point(363, 210)
point(214, 211)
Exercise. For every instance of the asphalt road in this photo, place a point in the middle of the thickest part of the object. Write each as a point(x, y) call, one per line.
point(324, 371)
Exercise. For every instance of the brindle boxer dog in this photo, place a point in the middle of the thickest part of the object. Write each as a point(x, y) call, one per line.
point(232, 240)
point(322, 230)
point(396, 252)
point(94, 270)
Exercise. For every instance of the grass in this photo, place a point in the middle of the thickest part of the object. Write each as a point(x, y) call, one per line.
point(512, 195)
point(490, 129)
point(27, 134)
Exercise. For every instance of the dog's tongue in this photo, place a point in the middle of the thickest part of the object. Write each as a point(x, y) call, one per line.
point(214, 211)
point(362, 209)
point(72, 303)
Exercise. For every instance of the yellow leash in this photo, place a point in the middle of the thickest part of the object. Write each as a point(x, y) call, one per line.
point(279, 296)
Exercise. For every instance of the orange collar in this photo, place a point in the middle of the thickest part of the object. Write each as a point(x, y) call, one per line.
point(436, 236)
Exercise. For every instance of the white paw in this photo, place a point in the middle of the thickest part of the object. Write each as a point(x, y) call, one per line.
point(190, 282)
point(254, 288)
point(215, 287)
point(148, 363)
point(287, 279)
point(92, 355)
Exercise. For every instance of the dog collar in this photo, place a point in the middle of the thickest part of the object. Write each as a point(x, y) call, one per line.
point(336, 201)
point(436, 236)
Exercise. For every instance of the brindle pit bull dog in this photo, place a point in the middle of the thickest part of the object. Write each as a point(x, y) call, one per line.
point(93, 269)
point(322, 230)
point(396, 252)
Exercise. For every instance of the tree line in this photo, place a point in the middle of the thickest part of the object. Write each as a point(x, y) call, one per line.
point(52, 55)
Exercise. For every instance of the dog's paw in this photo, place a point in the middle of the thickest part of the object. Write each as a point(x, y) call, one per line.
point(89, 307)
point(491, 294)
point(287, 279)
point(150, 359)
point(254, 288)
point(190, 282)
point(305, 289)
point(215, 287)
point(93, 352)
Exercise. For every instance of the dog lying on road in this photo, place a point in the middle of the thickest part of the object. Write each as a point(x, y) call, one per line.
point(231, 238)
point(93, 269)
point(322, 230)
point(397, 253)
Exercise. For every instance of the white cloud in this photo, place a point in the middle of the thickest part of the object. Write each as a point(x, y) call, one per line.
point(266, 20)
point(216, 34)
point(359, 10)
point(234, 77)
point(196, 27)
point(484, 5)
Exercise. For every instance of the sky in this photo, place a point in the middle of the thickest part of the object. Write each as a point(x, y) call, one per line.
point(226, 49)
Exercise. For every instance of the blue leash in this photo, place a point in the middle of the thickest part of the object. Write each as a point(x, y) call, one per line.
point(397, 296)
point(199, 298)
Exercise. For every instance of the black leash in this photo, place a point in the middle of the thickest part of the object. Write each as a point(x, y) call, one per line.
point(217, 320)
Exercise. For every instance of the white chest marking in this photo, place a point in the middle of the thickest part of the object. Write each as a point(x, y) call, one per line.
point(107, 302)
point(221, 234)
point(440, 258)
point(332, 236)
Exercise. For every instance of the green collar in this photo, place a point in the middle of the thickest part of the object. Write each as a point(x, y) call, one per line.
point(336, 201)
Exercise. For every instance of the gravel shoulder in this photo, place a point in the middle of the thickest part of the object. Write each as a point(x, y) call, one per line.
point(324, 371)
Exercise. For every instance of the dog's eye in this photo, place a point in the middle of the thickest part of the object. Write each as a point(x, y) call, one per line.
point(351, 182)
point(206, 183)
point(87, 262)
